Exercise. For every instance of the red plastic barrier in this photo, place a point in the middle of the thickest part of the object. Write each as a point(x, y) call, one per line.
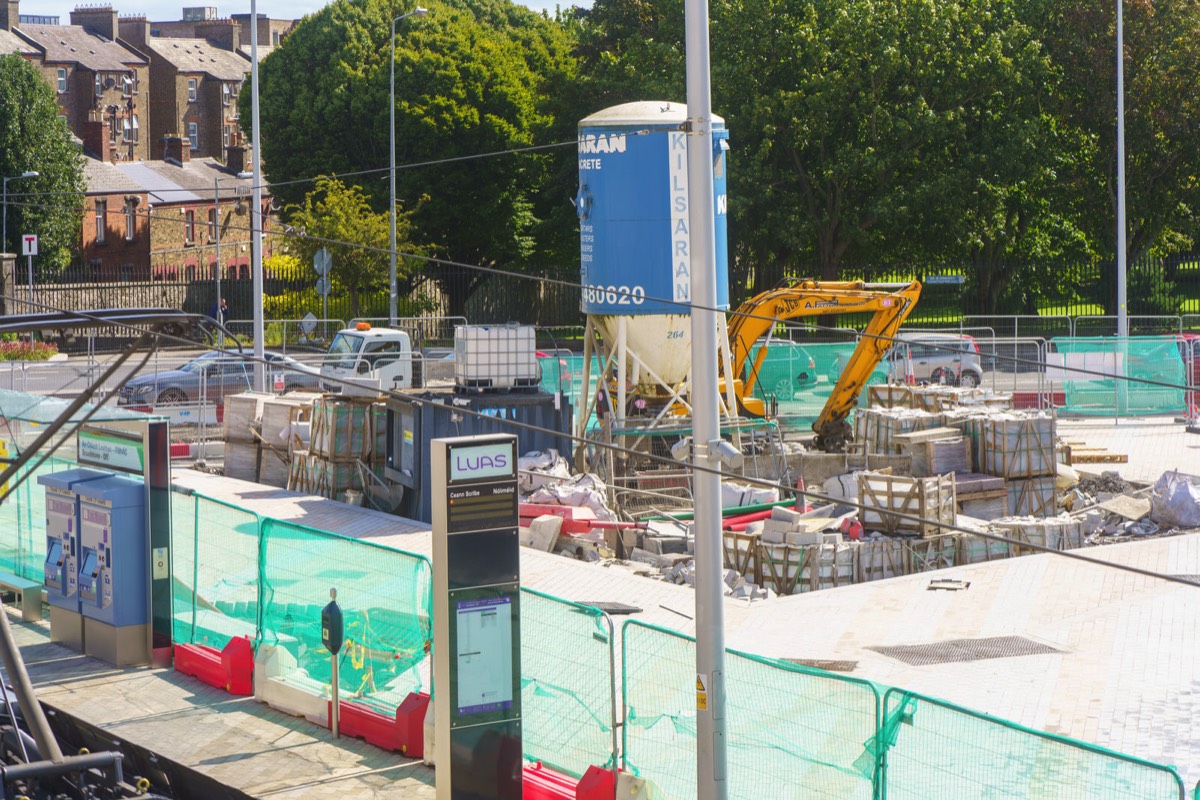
point(231, 669)
point(596, 784)
point(1033, 399)
point(404, 733)
point(539, 783)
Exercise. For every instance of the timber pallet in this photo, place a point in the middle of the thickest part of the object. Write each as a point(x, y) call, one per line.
point(1078, 453)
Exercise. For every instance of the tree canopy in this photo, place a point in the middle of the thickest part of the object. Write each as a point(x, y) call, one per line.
point(34, 139)
point(471, 79)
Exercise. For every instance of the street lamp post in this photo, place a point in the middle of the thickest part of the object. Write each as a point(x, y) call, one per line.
point(1122, 298)
point(4, 225)
point(416, 12)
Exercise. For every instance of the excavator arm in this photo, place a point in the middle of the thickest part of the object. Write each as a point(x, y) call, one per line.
point(891, 304)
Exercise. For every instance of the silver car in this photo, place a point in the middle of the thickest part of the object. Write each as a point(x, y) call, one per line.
point(950, 358)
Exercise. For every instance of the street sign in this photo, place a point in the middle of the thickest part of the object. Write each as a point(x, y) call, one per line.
point(29, 244)
point(308, 324)
point(322, 262)
point(323, 286)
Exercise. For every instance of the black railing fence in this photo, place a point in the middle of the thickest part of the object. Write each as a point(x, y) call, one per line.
point(1022, 299)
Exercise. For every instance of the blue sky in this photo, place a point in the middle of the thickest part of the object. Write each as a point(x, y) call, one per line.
point(172, 9)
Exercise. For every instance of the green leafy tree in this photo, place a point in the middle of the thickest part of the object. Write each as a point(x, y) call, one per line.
point(471, 78)
point(340, 218)
point(34, 139)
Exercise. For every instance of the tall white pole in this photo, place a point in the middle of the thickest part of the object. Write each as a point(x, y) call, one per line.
point(392, 287)
point(711, 783)
point(217, 257)
point(260, 373)
point(1122, 311)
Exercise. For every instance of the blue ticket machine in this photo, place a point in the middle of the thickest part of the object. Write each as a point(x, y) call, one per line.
point(114, 576)
point(62, 552)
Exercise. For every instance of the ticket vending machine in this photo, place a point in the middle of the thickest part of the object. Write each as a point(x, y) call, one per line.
point(477, 618)
point(114, 570)
point(62, 552)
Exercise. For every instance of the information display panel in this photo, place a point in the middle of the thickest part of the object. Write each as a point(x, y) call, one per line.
point(485, 638)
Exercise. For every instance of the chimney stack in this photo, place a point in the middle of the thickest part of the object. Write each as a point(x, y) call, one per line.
point(95, 138)
point(100, 20)
point(223, 33)
point(135, 29)
point(237, 158)
point(10, 15)
point(177, 149)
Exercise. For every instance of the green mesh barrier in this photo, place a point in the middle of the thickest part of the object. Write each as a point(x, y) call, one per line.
point(386, 601)
point(565, 374)
point(788, 726)
point(801, 378)
point(566, 684)
point(936, 750)
point(216, 582)
point(1155, 358)
point(23, 520)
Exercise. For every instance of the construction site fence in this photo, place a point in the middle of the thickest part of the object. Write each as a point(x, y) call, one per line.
point(240, 574)
point(789, 725)
point(821, 734)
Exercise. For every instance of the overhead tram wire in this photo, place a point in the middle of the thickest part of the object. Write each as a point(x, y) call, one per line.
point(684, 306)
point(614, 448)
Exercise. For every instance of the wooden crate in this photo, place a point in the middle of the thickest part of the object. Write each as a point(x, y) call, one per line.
point(937, 451)
point(1057, 533)
point(1020, 447)
point(981, 496)
point(241, 460)
point(975, 549)
point(344, 429)
point(882, 558)
point(890, 395)
point(932, 552)
point(793, 569)
point(242, 416)
point(884, 497)
point(741, 554)
point(879, 427)
point(1033, 497)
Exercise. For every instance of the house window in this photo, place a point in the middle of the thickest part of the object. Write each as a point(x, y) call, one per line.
point(225, 136)
point(135, 127)
point(126, 86)
point(127, 272)
point(127, 129)
point(62, 80)
point(194, 135)
point(130, 221)
point(191, 90)
point(212, 223)
point(189, 231)
point(275, 38)
point(99, 84)
point(226, 93)
point(101, 220)
point(189, 273)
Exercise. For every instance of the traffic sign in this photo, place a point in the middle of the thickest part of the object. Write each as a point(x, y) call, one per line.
point(29, 244)
point(322, 262)
point(308, 324)
point(323, 286)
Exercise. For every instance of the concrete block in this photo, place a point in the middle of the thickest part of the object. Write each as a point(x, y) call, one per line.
point(786, 515)
point(543, 532)
point(663, 545)
point(641, 556)
point(801, 538)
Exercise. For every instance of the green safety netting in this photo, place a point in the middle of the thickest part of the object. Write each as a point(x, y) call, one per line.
point(1092, 369)
point(935, 749)
point(564, 373)
point(790, 730)
point(386, 601)
point(566, 684)
point(215, 566)
point(23, 520)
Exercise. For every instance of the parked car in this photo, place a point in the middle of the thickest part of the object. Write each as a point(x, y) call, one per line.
point(787, 370)
point(949, 358)
point(212, 377)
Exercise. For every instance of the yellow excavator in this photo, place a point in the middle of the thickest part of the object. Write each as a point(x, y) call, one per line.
point(891, 304)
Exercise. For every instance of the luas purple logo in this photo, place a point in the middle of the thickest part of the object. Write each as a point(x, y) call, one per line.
point(482, 461)
point(468, 464)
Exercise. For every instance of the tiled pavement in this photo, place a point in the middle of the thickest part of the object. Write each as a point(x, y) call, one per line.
point(235, 740)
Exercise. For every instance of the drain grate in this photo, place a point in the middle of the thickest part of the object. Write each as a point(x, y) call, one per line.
point(825, 664)
point(956, 650)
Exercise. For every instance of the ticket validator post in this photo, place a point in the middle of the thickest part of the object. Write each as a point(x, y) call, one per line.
point(476, 613)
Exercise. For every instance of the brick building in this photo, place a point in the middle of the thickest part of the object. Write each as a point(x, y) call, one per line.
point(116, 231)
point(195, 85)
point(102, 83)
point(270, 32)
point(183, 220)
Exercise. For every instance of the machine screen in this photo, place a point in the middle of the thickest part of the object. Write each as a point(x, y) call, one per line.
point(484, 655)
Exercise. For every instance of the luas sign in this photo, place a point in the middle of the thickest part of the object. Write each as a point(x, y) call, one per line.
point(482, 462)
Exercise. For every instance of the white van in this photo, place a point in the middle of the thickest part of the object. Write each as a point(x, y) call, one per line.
point(380, 357)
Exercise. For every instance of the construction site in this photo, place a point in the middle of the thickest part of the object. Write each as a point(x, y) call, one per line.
point(956, 562)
